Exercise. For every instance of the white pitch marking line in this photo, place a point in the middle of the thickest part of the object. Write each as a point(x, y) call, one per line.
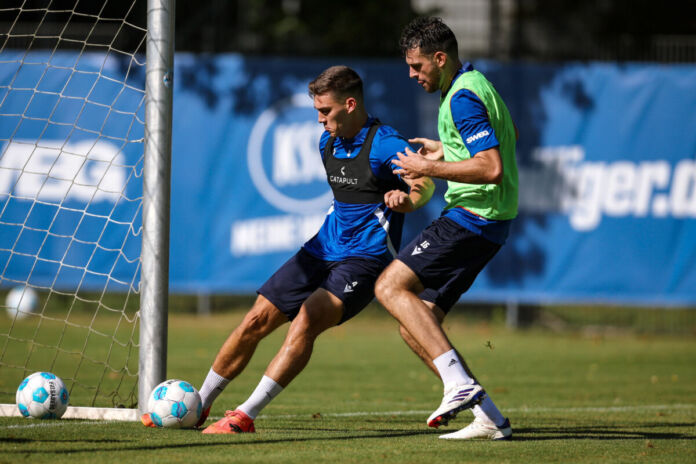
point(525, 409)
point(56, 423)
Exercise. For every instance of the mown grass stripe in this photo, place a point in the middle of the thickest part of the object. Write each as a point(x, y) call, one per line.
point(647, 407)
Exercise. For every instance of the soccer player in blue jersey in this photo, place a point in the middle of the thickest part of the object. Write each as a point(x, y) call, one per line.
point(332, 277)
point(476, 155)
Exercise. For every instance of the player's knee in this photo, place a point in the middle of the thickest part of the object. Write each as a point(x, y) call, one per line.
point(309, 324)
point(257, 324)
point(252, 328)
point(384, 289)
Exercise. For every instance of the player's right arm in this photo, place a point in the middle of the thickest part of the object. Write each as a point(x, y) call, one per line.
point(485, 168)
point(431, 149)
point(485, 165)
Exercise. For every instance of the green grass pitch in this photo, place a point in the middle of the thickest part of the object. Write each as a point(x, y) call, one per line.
point(364, 398)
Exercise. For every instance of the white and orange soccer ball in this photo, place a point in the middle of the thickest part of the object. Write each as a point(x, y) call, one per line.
point(174, 403)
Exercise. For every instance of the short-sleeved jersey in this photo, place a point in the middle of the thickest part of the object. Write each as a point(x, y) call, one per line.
point(472, 122)
point(362, 230)
point(471, 118)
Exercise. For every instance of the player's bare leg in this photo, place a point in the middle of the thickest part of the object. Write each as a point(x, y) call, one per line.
point(320, 311)
point(489, 423)
point(262, 319)
point(397, 288)
point(417, 349)
point(420, 351)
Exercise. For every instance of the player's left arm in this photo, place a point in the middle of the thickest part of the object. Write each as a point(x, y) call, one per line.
point(420, 192)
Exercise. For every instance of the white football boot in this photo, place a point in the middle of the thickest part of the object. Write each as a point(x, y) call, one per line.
point(457, 398)
point(479, 429)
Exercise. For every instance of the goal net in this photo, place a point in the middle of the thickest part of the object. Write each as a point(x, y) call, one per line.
point(72, 138)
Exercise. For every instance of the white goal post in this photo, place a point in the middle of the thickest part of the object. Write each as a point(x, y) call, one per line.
point(85, 158)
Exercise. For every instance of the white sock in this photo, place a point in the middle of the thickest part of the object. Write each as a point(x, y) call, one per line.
point(487, 411)
point(212, 386)
point(451, 370)
point(265, 391)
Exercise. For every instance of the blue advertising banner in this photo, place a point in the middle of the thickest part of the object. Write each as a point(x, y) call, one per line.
point(71, 149)
point(608, 185)
point(607, 161)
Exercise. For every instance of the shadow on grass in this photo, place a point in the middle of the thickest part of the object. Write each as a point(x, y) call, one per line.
point(605, 432)
point(595, 432)
point(229, 440)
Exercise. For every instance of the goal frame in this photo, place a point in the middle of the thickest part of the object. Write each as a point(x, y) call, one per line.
point(154, 283)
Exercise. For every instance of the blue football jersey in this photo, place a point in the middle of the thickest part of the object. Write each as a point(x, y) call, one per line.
point(362, 230)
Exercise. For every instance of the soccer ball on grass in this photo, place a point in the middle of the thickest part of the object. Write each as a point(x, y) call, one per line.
point(42, 395)
point(175, 404)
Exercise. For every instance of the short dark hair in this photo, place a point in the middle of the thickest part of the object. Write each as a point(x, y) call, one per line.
point(341, 80)
point(431, 35)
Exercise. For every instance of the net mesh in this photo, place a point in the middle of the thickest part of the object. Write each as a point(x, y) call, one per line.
point(72, 80)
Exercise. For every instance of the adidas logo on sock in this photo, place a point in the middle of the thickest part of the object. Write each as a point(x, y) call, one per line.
point(452, 362)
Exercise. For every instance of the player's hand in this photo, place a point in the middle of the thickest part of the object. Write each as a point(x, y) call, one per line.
point(410, 165)
point(431, 149)
point(398, 201)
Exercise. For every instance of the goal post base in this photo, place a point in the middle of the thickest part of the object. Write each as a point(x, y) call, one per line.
point(78, 412)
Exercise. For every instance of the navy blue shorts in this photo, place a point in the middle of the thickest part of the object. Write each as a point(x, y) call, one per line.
point(447, 257)
point(352, 281)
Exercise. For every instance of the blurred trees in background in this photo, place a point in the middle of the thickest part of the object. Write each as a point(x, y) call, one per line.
point(533, 29)
point(613, 30)
point(293, 27)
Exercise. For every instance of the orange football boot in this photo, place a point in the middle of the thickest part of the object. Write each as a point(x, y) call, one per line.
point(234, 422)
point(147, 420)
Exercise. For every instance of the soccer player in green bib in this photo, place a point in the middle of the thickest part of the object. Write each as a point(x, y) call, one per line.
point(476, 156)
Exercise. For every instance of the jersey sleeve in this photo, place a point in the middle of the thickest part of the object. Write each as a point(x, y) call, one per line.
point(386, 144)
point(471, 118)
